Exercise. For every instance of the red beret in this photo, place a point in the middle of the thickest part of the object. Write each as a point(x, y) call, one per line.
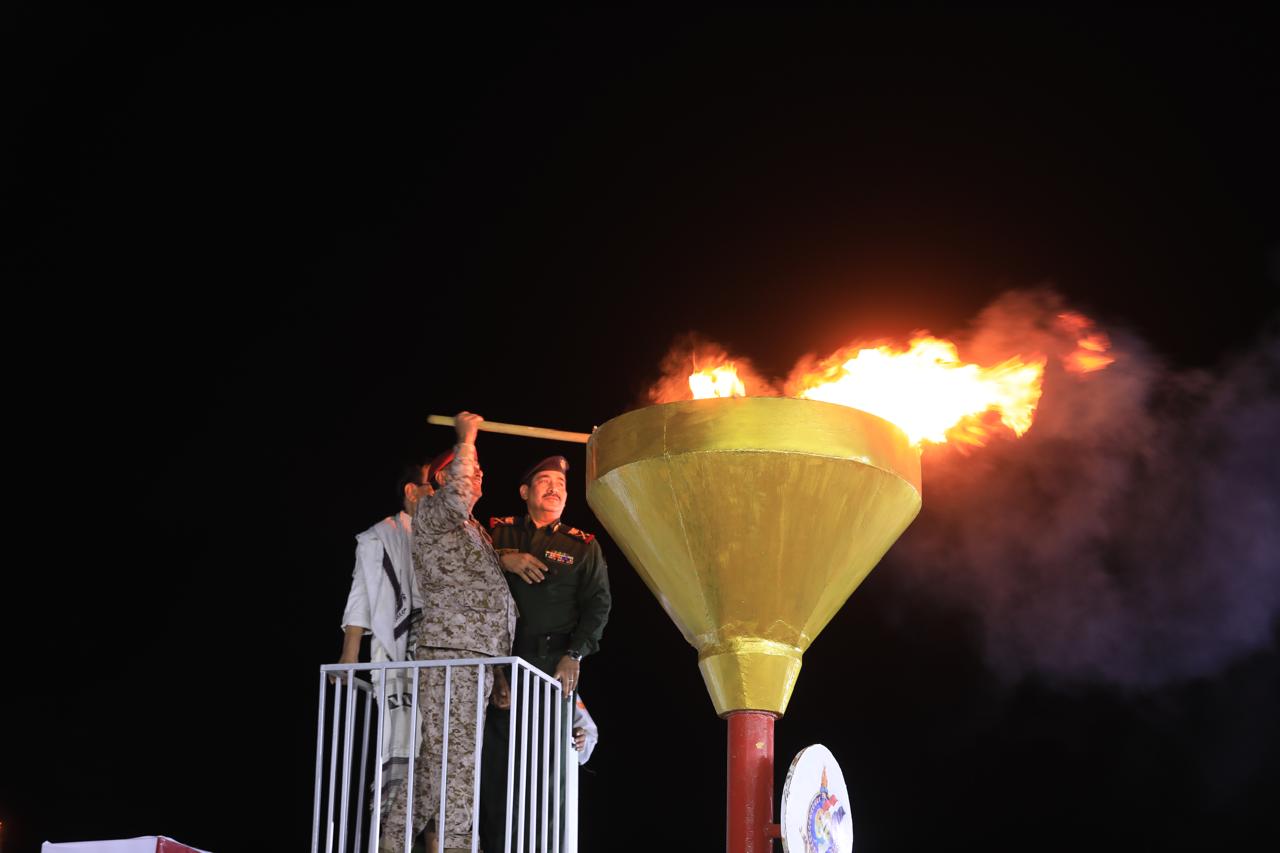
point(437, 464)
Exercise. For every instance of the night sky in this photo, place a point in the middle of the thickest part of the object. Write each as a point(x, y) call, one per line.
point(248, 254)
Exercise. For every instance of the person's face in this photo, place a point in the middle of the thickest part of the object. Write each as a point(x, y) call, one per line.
point(477, 481)
point(546, 494)
point(414, 492)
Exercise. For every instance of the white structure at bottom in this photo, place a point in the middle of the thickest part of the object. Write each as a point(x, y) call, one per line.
point(540, 756)
point(142, 844)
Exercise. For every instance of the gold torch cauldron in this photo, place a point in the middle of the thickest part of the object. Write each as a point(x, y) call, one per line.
point(752, 519)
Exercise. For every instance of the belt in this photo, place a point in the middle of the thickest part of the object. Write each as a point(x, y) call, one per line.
point(540, 645)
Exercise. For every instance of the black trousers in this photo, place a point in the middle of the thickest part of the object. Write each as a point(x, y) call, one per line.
point(493, 765)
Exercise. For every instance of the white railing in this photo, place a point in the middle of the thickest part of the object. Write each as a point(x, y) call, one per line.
point(348, 704)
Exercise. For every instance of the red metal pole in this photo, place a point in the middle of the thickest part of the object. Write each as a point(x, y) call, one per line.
point(750, 789)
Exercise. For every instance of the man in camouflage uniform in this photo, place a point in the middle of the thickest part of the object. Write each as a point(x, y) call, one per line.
point(467, 612)
point(560, 583)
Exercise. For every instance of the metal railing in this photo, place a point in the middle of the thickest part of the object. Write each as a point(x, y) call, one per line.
point(544, 761)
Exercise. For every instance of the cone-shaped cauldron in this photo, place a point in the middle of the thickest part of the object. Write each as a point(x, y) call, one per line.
point(752, 519)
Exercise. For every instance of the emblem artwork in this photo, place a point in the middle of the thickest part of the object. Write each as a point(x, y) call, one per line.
point(816, 816)
point(826, 813)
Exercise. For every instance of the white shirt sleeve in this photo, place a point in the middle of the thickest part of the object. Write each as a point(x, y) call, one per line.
point(583, 719)
point(357, 610)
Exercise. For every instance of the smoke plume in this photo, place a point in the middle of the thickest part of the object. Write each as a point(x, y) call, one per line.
point(1132, 535)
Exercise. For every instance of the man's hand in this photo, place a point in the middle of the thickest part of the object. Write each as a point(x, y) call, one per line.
point(579, 738)
point(467, 425)
point(335, 677)
point(525, 565)
point(501, 697)
point(567, 674)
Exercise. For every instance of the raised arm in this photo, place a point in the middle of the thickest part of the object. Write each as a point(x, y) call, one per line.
point(450, 506)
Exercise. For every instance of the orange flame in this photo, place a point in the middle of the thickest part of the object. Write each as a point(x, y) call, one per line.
point(1091, 349)
point(721, 381)
point(696, 369)
point(926, 389)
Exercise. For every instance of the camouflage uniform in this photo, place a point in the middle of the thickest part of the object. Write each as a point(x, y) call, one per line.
point(467, 612)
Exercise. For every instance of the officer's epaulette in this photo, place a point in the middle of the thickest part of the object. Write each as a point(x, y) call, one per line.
point(494, 522)
point(577, 534)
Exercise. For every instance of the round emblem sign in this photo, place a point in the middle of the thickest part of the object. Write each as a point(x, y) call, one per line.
point(815, 805)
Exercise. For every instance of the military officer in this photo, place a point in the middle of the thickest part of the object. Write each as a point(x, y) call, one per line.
point(557, 576)
point(467, 612)
point(560, 582)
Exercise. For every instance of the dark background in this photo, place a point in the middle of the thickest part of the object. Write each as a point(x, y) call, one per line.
point(249, 253)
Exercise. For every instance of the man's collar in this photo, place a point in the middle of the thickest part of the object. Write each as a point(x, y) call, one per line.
point(528, 523)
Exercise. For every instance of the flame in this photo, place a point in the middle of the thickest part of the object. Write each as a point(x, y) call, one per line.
point(1091, 349)
point(696, 368)
point(926, 389)
point(721, 381)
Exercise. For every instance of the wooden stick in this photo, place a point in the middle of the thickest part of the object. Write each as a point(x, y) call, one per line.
point(517, 429)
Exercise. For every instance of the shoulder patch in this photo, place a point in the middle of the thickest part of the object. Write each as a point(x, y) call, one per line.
point(578, 534)
point(494, 521)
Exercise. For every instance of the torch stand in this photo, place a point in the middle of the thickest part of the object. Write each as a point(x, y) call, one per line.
point(750, 827)
point(752, 520)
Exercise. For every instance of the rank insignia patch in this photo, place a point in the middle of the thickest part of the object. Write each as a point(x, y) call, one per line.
point(560, 557)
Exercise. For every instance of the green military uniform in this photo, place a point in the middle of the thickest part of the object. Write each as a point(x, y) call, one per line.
point(566, 611)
